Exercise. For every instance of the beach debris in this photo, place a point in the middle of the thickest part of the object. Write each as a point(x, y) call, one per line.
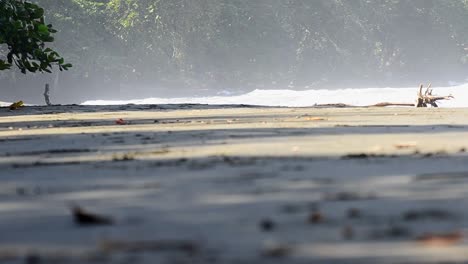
point(16, 105)
point(441, 240)
point(185, 246)
point(267, 225)
point(364, 156)
point(382, 104)
point(433, 154)
point(311, 118)
point(120, 121)
point(338, 105)
point(385, 104)
point(424, 99)
point(85, 218)
point(406, 145)
point(123, 157)
point(273, 249)
point(315, 218)
point(315, 118)
point(358, 156)
point(427, 98)
point(47, 95)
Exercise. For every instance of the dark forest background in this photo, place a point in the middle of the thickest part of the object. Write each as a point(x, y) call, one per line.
point(122, 49)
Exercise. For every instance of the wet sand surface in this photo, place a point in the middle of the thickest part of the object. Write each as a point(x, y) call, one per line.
point(233, 184)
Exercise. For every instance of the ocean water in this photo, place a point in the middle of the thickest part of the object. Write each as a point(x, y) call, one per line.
point(356, 96)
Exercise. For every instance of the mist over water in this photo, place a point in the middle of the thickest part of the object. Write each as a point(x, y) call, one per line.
point(291, 98)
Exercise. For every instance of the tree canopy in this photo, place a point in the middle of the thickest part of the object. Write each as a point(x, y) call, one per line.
point(279, 41)
point(24, 32)
point(128, 47)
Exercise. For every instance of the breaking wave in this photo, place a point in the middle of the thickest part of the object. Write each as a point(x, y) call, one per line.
point(355, 96)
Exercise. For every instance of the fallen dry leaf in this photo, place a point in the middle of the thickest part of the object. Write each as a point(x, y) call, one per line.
point(120, 121)
point(315, 218)
point(84, 218)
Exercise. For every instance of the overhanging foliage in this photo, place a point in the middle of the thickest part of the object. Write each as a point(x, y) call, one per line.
point(25, 33)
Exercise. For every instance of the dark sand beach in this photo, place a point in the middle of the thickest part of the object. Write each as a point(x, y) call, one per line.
point(233, 184)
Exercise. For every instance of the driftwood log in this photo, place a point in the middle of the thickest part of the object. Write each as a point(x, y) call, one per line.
point(423, 100)
point(47, 95)
point(428, 99)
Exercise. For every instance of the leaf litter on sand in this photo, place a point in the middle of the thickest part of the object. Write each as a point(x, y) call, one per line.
point(120, 121)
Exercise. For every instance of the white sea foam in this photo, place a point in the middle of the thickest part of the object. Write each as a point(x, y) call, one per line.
point(359, 96)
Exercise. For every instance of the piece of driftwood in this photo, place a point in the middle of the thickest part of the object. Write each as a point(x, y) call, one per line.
point(341, 105)
point(338, 105)
point(47, 95)
point(424, 100)
point(384, 104)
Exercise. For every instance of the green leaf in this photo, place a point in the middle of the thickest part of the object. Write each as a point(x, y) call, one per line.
point(4, 65)
point(43, 29)
point(23, 29)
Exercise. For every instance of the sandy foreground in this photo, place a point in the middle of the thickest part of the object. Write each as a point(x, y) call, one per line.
point(232, 184)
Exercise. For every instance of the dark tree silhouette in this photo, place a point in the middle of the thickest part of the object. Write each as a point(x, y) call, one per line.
point(24, 33)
